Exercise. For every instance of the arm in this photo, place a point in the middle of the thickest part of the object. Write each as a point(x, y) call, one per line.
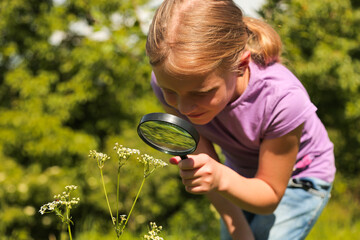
point(261, 194)
point(229, 212)
point(232, 216)
point(276, 160)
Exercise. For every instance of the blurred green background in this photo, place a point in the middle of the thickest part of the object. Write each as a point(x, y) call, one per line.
point(74, 77)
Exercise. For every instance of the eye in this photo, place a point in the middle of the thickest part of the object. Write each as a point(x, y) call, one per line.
point(202, 93)
point(167, 91)
point(205, 93)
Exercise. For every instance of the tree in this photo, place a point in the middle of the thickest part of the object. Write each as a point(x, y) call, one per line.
point(72, 74)
point(74, 77)
point(321, 46)
point(67, 72)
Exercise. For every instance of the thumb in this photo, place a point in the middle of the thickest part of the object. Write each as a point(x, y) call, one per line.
point(175, 160)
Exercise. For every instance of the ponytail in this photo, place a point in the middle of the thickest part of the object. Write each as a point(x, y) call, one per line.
point(264, 43)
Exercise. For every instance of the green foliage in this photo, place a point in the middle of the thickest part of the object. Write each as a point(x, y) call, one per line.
point(65, 90)
point(340, 219)
point(321, 42)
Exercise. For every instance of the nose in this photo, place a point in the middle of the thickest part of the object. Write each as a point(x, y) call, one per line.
point(185, 105)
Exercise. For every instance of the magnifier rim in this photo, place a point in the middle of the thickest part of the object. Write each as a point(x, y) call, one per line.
point(174, 120)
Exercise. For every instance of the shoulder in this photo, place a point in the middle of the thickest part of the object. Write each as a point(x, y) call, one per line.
point(275, 82)
point(285, 100)
point(274, 75)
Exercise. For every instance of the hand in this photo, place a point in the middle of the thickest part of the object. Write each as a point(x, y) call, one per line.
point(200, 173)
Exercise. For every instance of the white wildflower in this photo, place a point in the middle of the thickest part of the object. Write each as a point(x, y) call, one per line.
point(124, 153)
point(49, 207)
point(100, 157)
point(150, 163)
point(61, 200)
point(153, 233)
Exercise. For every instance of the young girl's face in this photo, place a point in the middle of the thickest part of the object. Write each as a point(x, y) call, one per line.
point(200, 98)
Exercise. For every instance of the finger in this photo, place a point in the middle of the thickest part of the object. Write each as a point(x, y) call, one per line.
point(195, 189)
point(190, 182)
point(194, 161)
point(188, 163)
point(175, 160)
point(188, 174)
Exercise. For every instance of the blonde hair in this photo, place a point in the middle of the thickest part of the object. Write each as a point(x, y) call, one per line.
point(200, 36)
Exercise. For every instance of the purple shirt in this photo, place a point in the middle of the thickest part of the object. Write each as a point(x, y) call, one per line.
point(273, 104)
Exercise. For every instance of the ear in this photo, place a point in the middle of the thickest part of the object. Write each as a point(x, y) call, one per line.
point(244, 62)
point(246, 56)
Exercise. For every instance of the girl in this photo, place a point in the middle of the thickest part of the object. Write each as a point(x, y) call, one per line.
point(222, 72)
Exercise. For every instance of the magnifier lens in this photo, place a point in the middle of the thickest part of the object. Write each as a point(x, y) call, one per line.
point(168, 133)
point(167, 136)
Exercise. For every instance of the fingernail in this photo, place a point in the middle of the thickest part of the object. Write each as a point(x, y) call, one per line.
point(173, 160)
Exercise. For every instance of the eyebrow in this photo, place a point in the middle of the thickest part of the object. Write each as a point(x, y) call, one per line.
point(205, 90)
point(165, 88)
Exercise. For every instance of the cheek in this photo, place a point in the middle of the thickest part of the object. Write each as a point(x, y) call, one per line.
point(219, 100)
point(218, 103)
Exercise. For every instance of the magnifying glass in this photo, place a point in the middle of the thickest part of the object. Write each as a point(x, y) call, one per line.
point(168, 133)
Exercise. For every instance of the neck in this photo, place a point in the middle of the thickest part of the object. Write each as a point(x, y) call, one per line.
point(243, 82)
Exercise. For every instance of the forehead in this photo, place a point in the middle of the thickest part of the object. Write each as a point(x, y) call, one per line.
point(187, 82)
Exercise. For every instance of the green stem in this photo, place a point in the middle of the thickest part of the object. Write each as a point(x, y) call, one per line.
point(68, 221)
point(107, 200)
point(69, 229)
point(137, 196)
point(117, 196)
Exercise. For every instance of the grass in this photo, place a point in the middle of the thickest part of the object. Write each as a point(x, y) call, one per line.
point(341, 217)
point(338, 221)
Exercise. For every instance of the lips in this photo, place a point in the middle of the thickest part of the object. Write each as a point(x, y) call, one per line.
point(195, 115)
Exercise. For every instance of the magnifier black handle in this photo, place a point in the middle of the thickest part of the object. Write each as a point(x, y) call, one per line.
point(184, 157)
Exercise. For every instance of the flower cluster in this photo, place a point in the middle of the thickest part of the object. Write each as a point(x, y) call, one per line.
point(124, 153)
point(150, 163)
point(65, 199)
point(49, 207)
point(61, 200)
point(153, 233)
point(100, 157)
